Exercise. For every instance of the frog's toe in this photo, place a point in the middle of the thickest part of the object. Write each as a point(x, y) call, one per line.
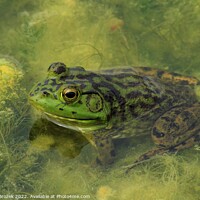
point(145, 157)
point(128, 168)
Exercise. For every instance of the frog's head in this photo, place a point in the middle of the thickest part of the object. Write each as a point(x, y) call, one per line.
point(69, 97)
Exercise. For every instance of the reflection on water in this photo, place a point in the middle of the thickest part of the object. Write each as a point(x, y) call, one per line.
point(44, 135)
point(93, 34)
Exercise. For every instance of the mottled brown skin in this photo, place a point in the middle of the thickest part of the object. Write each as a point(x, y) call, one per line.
point(177, 129)
point(113, 103)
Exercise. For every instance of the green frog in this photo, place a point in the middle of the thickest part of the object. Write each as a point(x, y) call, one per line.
point(117, 103)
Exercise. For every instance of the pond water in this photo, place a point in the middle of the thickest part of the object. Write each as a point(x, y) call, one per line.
point(39, 161)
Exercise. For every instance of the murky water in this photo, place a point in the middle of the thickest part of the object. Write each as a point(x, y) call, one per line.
point(95, 35)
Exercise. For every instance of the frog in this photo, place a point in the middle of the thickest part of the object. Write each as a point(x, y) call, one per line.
point(115, 103)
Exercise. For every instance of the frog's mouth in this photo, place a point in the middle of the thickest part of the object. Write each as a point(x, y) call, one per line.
point(82, 125)
point(76, 124)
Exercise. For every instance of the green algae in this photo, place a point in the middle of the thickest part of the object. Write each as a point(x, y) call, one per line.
point(94, 34)
point(14, 163)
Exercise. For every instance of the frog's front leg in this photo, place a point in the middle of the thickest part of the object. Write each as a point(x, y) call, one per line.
point(177, 129)
point(105, 149)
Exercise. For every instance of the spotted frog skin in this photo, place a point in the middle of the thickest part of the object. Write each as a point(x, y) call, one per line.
point(116, 103)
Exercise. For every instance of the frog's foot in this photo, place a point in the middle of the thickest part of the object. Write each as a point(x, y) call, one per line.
point(145, 157)
point(104, 160)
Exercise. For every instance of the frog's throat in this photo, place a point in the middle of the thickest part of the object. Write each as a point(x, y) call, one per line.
point(81, 125)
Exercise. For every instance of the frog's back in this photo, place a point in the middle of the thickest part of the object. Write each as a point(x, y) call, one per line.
point(143, 92)
point(164, 75)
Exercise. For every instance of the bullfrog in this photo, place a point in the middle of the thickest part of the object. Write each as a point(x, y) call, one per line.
point(117, 103)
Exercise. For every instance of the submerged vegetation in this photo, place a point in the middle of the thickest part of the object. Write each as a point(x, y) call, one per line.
point(13, 111)
point(94, 34)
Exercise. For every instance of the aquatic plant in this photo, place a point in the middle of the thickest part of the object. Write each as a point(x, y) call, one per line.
point(14, 163)
point(163, 33)
point(94, 34)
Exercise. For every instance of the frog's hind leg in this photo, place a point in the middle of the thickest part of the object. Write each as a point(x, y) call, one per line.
point(162, 150)
point(177, 129)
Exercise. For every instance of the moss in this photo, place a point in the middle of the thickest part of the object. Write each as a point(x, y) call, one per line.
point(166, 177)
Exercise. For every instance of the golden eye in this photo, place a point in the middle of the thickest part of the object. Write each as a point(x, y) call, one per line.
point(70, 94)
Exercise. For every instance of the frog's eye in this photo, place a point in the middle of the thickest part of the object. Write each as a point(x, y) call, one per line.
point(70, 94)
